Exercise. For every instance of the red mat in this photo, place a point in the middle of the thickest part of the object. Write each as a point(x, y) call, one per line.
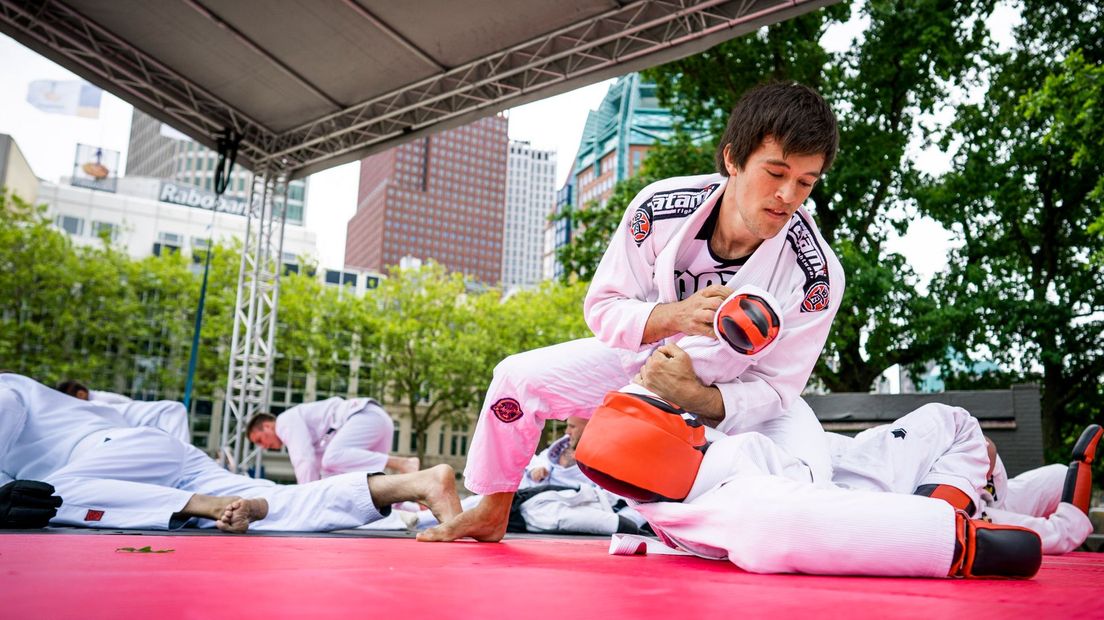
point(83, 576)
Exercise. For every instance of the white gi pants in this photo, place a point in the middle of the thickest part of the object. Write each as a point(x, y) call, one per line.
point(572, 379)
point(139, 477)
point(361, 444)
point(585, 510)
point(1033, 500)
point(935, 444)
point(751, 505)
point(167, 415)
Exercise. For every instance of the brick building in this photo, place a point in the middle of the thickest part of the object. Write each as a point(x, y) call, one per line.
point(440, 198)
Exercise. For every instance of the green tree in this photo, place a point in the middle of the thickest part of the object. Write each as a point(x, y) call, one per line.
point(1021, 288)
point(38, 274)
point(90, 312)
point(428, 360)
point(1070, 102)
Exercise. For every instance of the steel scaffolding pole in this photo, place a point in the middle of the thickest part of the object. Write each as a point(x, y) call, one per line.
point(252, 348)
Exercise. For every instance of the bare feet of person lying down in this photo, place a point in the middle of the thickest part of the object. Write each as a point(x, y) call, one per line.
point(403, 464)
point(240, 513)
point(206, 506)
point(434, 487)
point(485, 523)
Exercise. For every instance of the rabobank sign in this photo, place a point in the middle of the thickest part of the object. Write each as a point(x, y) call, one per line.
point(180, 194)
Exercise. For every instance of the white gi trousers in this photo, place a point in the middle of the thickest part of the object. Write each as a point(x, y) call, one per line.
point(572, 379)
point(751, 505)
point(139, 477)
point(1033, 500)
point(587, 509)
point(935, 444)
point(361, 444)
point(167, 415)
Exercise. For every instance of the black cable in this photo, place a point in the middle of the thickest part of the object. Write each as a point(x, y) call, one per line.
point(227, 156)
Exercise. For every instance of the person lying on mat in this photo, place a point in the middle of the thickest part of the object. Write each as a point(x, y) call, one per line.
point(113, 475)
point(899, 506)
point(1052, 500)
point(167, 415)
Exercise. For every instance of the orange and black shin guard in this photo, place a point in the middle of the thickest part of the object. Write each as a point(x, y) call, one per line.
point(988, 550)
point(1078, 487)
point(954, 496)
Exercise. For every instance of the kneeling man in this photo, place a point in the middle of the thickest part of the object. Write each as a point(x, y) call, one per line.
point(330, 437)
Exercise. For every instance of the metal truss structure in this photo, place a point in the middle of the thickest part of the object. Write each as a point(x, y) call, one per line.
point(631, 35)
point(252, 348)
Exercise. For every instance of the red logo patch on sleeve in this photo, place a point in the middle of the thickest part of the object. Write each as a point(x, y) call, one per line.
point(507, 409)
point(93, 515)
point(816, 298)
point(641, 225)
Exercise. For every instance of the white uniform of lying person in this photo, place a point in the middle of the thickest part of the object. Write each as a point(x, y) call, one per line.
point(749, 502)
point(573, 502)
point(167, 415)
point(112, 475)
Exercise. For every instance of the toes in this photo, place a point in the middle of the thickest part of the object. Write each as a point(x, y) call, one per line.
point(435, 534)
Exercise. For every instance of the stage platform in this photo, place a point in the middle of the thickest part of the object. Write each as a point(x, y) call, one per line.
point(83, 574)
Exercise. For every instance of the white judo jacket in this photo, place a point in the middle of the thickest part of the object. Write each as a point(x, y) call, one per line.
point(637, 272)
point(307, 429)
point(41, 427)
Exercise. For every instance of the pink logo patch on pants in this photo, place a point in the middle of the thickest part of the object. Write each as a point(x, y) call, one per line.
point(507, 409)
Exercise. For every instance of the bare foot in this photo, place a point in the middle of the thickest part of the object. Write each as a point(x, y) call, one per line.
point(240, 513)
point(206, 506)
point(435, 487)
point(485, 523)
point(439, 492)
point(405, 465)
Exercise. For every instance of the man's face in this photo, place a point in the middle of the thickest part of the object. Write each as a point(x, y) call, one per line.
point(770, 187)
point(81, 394)
point(574, 429)
point(265, 436)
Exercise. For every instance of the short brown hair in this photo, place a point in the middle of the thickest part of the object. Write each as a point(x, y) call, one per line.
point(256, 421)
point(792, 114)
point(71, 387)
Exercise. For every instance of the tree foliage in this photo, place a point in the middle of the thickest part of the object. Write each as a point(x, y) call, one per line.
point(426, 341)
point(438, 342)
point(1025, 189)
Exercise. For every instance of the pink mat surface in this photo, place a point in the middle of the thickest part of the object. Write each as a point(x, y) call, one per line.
point(83, 576)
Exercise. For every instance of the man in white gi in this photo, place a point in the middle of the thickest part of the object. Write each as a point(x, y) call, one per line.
point(112, 475)
point(167, 415)
point(683, 246)
point(330, 437)
point(1045, 499)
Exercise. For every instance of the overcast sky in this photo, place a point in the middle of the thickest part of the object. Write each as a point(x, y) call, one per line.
point(49, 140)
